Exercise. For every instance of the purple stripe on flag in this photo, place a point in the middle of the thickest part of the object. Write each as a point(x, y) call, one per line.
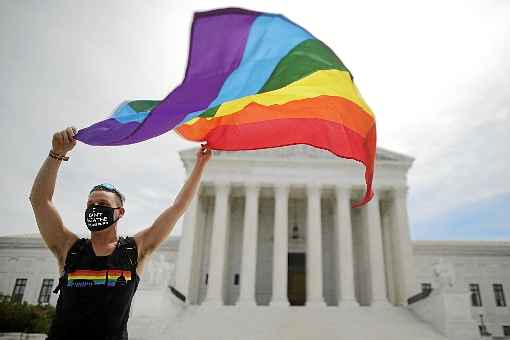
point(106, 132)
point(215, 51)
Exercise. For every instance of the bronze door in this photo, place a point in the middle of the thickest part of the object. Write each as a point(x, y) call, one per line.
point(296, 288)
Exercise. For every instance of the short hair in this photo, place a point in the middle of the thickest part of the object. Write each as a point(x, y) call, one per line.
point(109, 188)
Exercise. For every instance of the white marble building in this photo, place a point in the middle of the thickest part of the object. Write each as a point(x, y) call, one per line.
point(271, 249)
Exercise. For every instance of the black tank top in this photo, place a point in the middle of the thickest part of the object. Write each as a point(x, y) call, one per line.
point(96, 293)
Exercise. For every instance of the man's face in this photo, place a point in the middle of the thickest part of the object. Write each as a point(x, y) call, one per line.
point(106, 198)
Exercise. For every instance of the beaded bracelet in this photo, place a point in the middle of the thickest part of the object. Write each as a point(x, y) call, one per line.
point(55, 155)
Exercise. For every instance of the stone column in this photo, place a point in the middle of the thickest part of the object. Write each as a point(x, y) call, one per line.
point(249, 253)
point(403, 247)
point(375, 250)
point(280, 246)
point(184, 264)
point(344, 260)
point(214, 294)
point(314, 295)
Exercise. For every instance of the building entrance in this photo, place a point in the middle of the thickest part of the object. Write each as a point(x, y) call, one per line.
point(296, 288)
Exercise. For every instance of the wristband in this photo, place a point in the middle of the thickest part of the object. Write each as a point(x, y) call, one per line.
point(60, 157)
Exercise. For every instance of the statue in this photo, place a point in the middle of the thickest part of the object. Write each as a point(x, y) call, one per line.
point(444, 274)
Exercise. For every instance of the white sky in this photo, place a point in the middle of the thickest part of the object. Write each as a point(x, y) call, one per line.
point(436, 74)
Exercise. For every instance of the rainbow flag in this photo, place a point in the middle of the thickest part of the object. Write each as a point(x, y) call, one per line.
point(254, 80)
point(82, 278)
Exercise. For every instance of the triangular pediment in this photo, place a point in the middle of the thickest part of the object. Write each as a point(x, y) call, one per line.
point(294, 151)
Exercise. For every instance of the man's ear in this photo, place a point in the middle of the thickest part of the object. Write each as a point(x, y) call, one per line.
point(122, 211)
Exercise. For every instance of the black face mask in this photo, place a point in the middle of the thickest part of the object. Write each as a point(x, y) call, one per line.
point(99, 217)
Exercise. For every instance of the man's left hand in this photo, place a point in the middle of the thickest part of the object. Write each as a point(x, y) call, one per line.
point(204, 154)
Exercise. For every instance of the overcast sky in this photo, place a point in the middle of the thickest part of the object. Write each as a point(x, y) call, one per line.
point(436, 74)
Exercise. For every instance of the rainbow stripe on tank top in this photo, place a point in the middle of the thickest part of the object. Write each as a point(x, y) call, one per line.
point(104, 277)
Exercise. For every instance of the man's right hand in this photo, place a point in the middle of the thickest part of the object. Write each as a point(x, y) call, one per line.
point(63, 141)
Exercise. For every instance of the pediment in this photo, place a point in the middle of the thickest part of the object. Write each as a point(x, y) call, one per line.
point(294, 151)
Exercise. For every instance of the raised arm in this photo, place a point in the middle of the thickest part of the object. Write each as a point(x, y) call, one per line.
point(149, 239)
point(57, 237)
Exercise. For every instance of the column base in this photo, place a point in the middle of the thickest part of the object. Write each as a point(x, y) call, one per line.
point(315, 304)
point(351, 303)
point(246, 303)
point(279, 303)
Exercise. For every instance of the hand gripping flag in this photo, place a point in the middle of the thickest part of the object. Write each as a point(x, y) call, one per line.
point(254, 80)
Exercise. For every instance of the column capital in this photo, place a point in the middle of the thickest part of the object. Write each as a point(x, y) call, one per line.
point(343, 191)
point(252, 187)
point(222, 185)
point(399, 192)
point(312, 187)
point(281, 187)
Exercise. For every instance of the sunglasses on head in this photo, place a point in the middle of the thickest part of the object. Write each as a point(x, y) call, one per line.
point(108, 187)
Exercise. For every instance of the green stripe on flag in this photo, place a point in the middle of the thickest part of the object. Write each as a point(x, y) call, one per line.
point(143, 105)
point(306, 58)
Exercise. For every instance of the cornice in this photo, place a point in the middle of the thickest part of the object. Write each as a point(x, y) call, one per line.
point(296, 154)
point(461, 248)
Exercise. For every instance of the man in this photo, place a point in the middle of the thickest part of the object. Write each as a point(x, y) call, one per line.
point(99, 275)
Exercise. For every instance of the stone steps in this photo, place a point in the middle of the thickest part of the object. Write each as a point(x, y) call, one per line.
point(169, 319)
